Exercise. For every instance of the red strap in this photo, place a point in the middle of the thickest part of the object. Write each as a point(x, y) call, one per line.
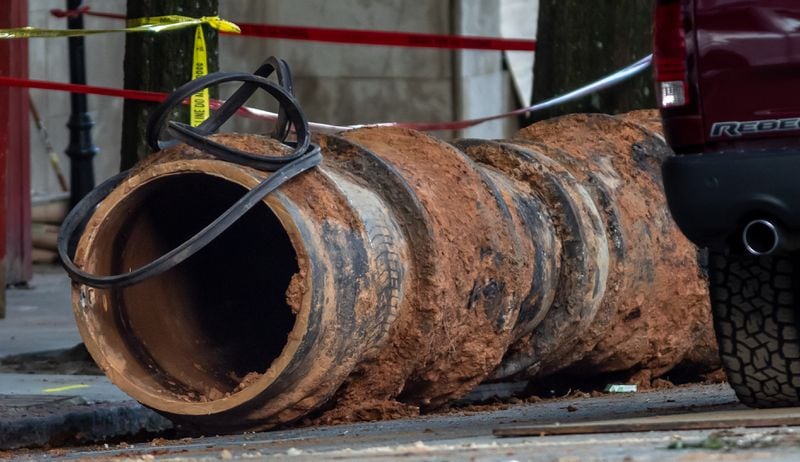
point(70, 13)
point(367, 37)
point(87, 89)
point(353, 36)
point(243, 111)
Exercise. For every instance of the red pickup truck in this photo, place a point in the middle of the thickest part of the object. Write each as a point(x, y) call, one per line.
point(728, 79)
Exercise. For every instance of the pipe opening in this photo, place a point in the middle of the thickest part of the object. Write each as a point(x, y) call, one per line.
point(211, 325)
point(761, 237)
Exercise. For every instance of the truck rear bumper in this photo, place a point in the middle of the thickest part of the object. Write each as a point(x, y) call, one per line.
point(712, 196)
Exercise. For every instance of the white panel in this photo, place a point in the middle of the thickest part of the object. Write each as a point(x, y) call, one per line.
point(343, 84)
point(519, 19)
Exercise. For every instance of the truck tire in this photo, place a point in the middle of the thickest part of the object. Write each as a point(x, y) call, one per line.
point(755, 307)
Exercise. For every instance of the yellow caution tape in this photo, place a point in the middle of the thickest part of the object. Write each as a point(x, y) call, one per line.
point(200, 107)
point(152, 24)
point(160, 23)
point(33, 32)
point(65, 388)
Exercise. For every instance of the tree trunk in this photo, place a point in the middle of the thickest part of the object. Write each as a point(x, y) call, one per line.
point(580, 42)
point(160, 62)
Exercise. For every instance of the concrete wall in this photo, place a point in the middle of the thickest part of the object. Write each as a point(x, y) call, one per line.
point(49, 61)
point(339, 84)
point(354, 84)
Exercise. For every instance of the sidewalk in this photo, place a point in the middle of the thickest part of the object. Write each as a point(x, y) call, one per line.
point(41, 402)
point(40, 317)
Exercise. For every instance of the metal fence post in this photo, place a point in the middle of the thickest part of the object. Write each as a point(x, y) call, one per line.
point(81, 150)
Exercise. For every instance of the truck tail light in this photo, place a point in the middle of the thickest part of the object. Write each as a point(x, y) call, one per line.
point(672, 82)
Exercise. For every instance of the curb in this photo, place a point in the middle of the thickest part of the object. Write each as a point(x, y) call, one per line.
point(28, 421)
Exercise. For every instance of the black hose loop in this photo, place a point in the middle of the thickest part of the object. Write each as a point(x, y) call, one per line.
point(305, 156)
point(284, 76)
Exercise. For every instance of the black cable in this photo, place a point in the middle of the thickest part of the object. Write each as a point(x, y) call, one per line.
point(305, 156)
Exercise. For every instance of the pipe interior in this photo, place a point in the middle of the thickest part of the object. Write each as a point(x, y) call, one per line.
point(217, 317)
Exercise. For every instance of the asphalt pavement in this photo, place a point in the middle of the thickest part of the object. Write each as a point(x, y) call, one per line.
point(50, 410)
point(467, 434)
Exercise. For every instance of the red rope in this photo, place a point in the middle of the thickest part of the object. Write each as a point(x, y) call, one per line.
point(69, 13)
point(396, 39)
point(84, 10)
point(157, 97)
point(86, 89)
point(353, 36)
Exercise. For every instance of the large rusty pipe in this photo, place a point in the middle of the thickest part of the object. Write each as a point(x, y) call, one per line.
point(397, 276)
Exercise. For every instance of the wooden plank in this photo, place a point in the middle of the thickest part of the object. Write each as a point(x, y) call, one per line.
point(749, 418)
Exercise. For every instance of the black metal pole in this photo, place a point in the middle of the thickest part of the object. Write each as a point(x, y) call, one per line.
point(81, 149)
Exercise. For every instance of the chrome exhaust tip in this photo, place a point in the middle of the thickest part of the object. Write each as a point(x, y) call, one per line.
point(762, 237)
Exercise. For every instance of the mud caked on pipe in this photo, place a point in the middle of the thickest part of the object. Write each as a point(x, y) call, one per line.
point(396, 276)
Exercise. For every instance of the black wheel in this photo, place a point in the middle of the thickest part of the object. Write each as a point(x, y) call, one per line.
point(755, 302)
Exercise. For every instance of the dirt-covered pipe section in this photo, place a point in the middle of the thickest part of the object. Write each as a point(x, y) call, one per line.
point(396, 277)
